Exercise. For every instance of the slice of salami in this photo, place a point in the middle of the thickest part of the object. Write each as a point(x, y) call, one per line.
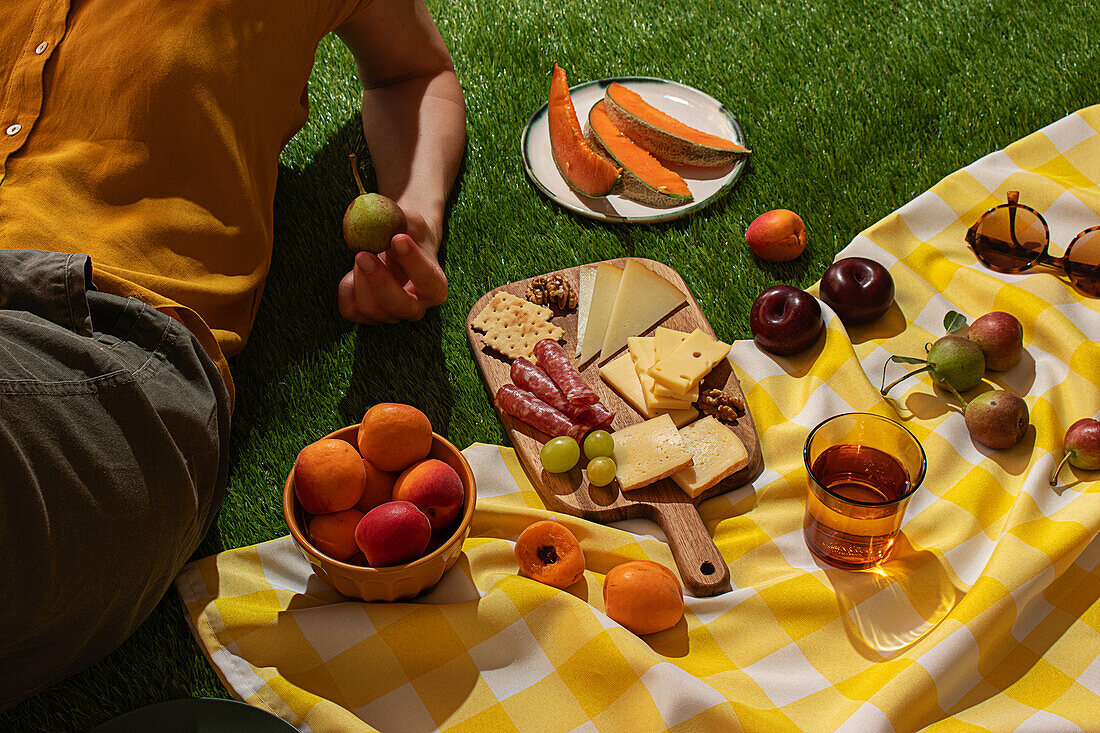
point(596, 416)
point(529, 377)
point(525, 406)
point(555, 362)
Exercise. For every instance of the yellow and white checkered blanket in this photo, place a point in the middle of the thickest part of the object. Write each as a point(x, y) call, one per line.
point(986, 617)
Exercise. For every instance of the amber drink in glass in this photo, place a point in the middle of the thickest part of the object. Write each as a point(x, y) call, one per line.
point(862, 470)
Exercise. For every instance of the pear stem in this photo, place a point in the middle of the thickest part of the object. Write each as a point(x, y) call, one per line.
point(884, 390)
point(1054, 476)
point(951, 388)
point(355, 172)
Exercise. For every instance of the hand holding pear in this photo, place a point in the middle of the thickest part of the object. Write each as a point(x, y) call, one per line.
point(371, 220)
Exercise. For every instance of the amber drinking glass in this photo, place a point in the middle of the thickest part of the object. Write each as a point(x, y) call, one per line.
point(862, 469)
point(1013, 238)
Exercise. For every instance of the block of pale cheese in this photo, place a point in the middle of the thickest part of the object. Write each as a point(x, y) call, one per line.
point(689, 362)
point(717, 453)
point(648, 451)
point(643, 300)
point(665, 341)
point(586, 280)
point(623, 378)
point(605, 289)
point(641, 352)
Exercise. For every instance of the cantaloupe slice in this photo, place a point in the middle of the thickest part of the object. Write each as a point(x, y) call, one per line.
point(584, 171)
point(643, 178)
point(666, 137)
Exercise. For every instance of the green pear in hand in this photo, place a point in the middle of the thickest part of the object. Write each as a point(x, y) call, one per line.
point(371, 219)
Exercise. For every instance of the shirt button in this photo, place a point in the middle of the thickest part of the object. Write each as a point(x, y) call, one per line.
point(14, 129)
point(41, 47)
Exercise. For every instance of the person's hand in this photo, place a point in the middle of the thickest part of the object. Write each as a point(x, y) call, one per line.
point(398, 285)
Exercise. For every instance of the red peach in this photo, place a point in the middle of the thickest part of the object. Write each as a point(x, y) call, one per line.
point(434, 487)
point(329, 476)
point(393, 533)
point(379, 487)
point(777, 235)
point(334, 534)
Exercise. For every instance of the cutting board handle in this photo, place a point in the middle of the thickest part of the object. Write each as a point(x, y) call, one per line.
point(702, 568)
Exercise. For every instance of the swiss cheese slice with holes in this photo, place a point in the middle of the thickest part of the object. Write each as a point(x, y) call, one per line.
point(649, 451)
point(621, 375)
point(689, 362)
point(586, 281)
point(717, 452)
point(605, 291)
point(641, 352)
point(644, 298)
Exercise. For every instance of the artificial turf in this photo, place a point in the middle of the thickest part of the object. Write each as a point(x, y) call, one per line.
point(851, 108)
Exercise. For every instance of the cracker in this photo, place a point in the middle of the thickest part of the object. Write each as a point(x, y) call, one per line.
point(513, 325)
point(516, 340)
point(504, 305)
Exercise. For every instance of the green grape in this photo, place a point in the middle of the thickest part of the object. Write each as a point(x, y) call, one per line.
point(559, 455)
point(601, 471)
point(599, 443)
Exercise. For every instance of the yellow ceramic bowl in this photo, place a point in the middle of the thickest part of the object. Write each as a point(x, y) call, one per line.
point(399, 581)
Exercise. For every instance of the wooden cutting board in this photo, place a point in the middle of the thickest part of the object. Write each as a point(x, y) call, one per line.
point(701, 566)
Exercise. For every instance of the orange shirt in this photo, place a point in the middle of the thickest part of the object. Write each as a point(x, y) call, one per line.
point(146, 133)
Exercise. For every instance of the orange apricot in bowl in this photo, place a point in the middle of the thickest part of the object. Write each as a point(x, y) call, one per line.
point(329, 476)
point(549, 553)
point(379, 488)
point(644, 596)
point(393, 436)
point(334, 534)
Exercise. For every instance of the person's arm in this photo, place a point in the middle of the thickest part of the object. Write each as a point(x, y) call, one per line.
point(414, 120)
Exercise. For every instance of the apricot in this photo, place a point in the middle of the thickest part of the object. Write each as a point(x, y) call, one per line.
point(778, 235)
point(329, 476)
point(549, 553)
point(392, 534)
point(334, 534)
point(644, 596)
point(379, 488)
point(434, 487)
point(393, 436)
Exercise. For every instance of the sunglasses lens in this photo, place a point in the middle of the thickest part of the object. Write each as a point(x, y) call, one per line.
point(1083, 262)
point(1010, 238)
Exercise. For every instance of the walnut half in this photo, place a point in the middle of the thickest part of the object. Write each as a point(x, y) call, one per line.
point(722, 405)
point(553, 291)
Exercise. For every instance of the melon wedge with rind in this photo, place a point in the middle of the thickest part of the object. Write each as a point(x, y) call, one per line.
point(583, 170)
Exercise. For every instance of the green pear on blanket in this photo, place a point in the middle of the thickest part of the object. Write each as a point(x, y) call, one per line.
point(371, 220)
point(954, 362)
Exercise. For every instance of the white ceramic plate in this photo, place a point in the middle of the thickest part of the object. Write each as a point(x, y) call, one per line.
point(689, 105)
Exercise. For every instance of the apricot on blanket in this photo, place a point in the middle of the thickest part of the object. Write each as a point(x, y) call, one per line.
point(393, 436)
point(334, 534)
point(549, 553)
point(644, 596)
point(328, 476)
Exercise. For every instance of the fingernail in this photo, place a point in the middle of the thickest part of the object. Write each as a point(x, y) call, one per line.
point(367, 263)
point(401, 246)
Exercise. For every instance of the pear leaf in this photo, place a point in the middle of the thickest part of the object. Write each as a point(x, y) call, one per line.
point(907, 360)
point(953, 321)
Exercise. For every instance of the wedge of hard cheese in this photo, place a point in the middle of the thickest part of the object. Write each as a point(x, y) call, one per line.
point(689, 362)
point(665, 341)
point(644, 298)
point(587, 283)
point(649, 451)
point(605, 291)
point(717, 453)
point(623, 378)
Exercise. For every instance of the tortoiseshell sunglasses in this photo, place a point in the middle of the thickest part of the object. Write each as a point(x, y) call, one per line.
point(1013, 238)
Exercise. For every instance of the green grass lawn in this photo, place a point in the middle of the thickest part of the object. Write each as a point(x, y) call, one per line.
point(851, 109)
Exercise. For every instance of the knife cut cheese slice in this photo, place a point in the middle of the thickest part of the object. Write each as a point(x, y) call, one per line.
point(621, 374)
point(689, 362)
point(649, 451)
point(605, 291)
point(717, 453)
point(587, 281)
point(644, 298)
point(641, 353)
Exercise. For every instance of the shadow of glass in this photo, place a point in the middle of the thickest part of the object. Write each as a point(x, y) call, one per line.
point(888, 608)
